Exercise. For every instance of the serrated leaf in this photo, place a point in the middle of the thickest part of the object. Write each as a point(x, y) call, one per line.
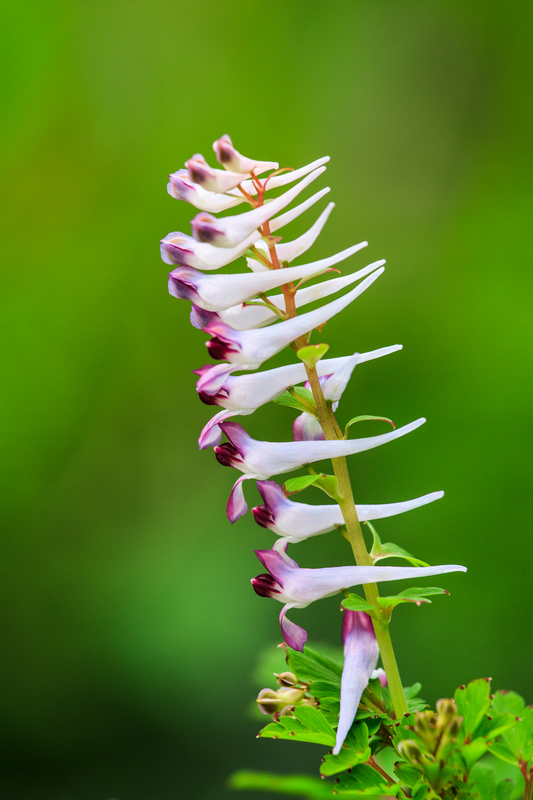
point(365, 418)
point(312, 353)
point(313, 720)
point(407, 774)
point(355, 750)
point(472, 704)
point(289, 728)
point(303, 402)
point(296, 785)
point(355, 602)
point(473, 751)
point(489, 728)
point(481, 782)
point(508, 703)
point(503, 753)
point(312, 666)
point(504, 789)
point(322, 689)
point(294, 485)
point(519, 737)
point(365, 780)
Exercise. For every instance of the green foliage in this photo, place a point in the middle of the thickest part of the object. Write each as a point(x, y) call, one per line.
point(312, 354)
point(365, 418)
point(461, 750)
point(328, 483)
point(298, 397)
point(390, 550)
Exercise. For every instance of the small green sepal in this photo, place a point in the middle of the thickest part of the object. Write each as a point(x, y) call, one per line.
point(312, 353)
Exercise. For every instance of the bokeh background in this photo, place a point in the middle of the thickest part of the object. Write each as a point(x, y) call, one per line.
point(130, 630)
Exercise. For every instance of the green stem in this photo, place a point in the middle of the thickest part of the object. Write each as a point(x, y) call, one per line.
point(346, 501)
point(357, 542)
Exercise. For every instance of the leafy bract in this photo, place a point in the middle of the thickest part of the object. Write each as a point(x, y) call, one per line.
point(473, 702)
point(296, 785)
point(307, 725)
point(297, 397)
point(355, 750)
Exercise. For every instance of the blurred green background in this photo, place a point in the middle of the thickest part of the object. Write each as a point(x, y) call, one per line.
point(130, 628)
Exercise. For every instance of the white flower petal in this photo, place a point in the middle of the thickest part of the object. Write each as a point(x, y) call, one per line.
point(181, 187)
point(230, 231)
point(230, 158)
point(284, 178)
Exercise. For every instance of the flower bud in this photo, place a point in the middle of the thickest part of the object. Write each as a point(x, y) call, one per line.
point(286, 678)
point(272, 702)
point(230, 158)
point(409, 750)
point(446, 709)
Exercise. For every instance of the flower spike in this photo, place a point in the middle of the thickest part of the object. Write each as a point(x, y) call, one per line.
point(297, 587)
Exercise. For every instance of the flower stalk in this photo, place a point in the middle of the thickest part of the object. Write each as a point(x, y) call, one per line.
point(248, 326)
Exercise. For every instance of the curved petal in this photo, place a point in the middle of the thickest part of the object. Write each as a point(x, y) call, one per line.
point(181, 187)
point(361, 655)
point(266, 459)
point(230, 231)
point(178, 248)
point(295, 636)
point(249, 349)
point(230, 158)
point(282, 180)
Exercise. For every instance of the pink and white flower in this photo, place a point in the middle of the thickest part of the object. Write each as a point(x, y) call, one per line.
point(231, 159)
point(297, 587)
point(230, 231)
point(262, 460)
point(361, 653)
point(295, 522)
point(249, 349)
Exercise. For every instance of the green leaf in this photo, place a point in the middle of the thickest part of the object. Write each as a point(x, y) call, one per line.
point(412, 691)
point(365, 418)
point(508, 703)
point(355, 750)
point(473, 751)
point(312, 353)
point(325, 689)
point(294, 485)
point(415, 595)
point(303, 402)
point(296, 785)
point(391, 550)
point(309, 725)
point(355, 602)
point(312, 666)
point(365, 780)
point(489, 727)
point(328, 484)
point(481, 782)
point(313, 720)
point(407, 774)
point(473, 702)
point(503, 753)
point(519, 738)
